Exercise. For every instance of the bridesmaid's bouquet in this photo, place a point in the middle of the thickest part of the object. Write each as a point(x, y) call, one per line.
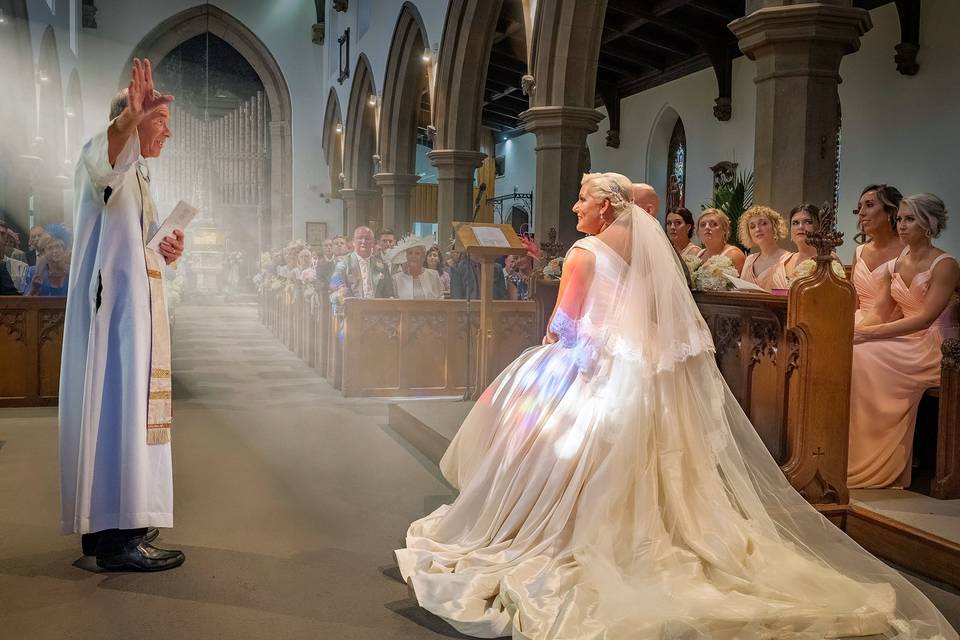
point(711, 275)
point(809, 265)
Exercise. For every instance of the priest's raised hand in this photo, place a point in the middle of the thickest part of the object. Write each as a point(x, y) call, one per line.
point(145, 111)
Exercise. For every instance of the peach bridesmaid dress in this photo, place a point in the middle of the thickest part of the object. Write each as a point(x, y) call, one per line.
point(889, 378)
point(773, 277)
point(868, 284)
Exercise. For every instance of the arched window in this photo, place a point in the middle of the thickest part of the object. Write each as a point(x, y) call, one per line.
point(677, 167)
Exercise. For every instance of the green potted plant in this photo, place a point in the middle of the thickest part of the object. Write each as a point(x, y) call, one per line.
point(733, 198)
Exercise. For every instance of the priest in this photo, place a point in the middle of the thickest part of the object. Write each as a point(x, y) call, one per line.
point(116, 483)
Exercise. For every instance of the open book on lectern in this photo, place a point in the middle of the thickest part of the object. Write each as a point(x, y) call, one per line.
point(487, 239)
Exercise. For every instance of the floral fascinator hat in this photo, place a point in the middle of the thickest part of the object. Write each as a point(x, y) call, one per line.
point(398, 254)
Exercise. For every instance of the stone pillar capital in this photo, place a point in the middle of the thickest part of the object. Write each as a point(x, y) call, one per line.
point(581, 120)
point(358, 195)
point(456, 159)
point(776, 28)
point(396, 182)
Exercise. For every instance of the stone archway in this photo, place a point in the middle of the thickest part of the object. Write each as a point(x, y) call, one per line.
point(187, 24)
point(50, 143)
point(17, 111)
point(658, 149)
point(333, 144)
point(74, 113)
point(459, 86)
point(406, 81)
point(361, 198)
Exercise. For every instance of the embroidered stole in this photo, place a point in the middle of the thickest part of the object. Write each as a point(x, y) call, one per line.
point(160, 398)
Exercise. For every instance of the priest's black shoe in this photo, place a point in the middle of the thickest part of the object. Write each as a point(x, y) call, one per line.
point(139, 555)
point(89, 541)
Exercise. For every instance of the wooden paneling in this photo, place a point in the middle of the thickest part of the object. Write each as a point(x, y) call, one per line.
point(423, 205)
point(424, 347)
point(946, 481)
point(31, 337)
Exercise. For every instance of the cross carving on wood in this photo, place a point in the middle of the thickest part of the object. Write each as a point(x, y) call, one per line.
point(819, 452)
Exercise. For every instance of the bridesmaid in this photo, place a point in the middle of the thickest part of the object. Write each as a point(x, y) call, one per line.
point(713, 227)
point(804, 219)
point(896, 353)
point(763, 228)
point(679, 228)
point(876, 218)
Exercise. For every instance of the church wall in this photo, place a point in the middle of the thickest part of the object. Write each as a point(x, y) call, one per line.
point(285, 30)
point(520, 168)
point(903, 130)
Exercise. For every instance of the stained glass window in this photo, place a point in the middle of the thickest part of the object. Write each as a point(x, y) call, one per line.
point(677, 167)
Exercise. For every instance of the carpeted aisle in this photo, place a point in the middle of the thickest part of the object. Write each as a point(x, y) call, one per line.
point(289, 502)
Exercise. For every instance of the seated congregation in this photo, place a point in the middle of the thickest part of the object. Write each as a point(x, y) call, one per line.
point(905, 289)
point(43, 269)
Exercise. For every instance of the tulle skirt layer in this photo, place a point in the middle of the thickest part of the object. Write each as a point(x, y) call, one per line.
point(618, 503)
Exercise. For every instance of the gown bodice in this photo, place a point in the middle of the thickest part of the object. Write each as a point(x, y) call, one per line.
point(773, 277)
point(868, 283)
point(609, 269)
point(910, 298)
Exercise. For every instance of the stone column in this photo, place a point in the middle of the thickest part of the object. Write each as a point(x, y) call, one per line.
point(356, 208)
point(455, 170)
point(798, 49)
point(396, 189)
point(281, 173)
point(561, 161)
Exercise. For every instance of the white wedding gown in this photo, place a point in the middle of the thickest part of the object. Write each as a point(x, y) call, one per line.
point(611, 487)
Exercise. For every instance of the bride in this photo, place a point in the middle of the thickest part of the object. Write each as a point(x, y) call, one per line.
point(611, 487)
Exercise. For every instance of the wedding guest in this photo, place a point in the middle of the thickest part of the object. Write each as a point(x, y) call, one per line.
point(713, 228)
point(36, 232)
point(645, 197)
point(876, 218)
point(12, 249)
point(11, 271)
point(326, 251)
point(896, 353)
point(52, 270)
point(762, 228)
point(803, 220)
point(679, 228)
point(386, 240)
point(434, 260)
point(340, 246)
point(465, 279)
point(519, 278)
point(361, 274)
point(415, 281)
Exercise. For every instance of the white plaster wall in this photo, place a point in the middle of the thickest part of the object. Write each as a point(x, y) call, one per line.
point(708, 140)
point(898, 129)
point(282, 25)
point(521, 169)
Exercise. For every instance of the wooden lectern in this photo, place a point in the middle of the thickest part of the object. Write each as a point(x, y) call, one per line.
point(484, 243)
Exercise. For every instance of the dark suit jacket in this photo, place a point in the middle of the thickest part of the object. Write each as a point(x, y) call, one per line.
point(464, 281)
point(7, 288)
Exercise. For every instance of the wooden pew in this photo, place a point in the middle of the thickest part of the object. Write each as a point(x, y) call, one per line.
point(394, 348)
point(31, 337)
point(946, 479)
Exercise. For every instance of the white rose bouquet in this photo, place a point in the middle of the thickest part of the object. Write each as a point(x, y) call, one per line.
point(710, 276)
point(809, 265)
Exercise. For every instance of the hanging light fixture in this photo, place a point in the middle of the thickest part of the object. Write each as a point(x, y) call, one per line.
point(338, 128)
point(372, 100)
point(3, 18)
point(426, 55)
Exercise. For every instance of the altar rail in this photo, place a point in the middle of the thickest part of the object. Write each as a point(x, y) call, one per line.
point(31, 335)
point(397, 348)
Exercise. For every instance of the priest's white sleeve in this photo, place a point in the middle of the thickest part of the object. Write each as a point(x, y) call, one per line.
point(96, 159)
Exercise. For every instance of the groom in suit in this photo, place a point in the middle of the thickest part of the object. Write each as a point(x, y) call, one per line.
point(361, 274)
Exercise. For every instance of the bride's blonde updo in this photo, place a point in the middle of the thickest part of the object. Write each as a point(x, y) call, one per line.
point(614, 187)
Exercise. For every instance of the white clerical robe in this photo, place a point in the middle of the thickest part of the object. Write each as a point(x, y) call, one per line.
point(110, 477)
